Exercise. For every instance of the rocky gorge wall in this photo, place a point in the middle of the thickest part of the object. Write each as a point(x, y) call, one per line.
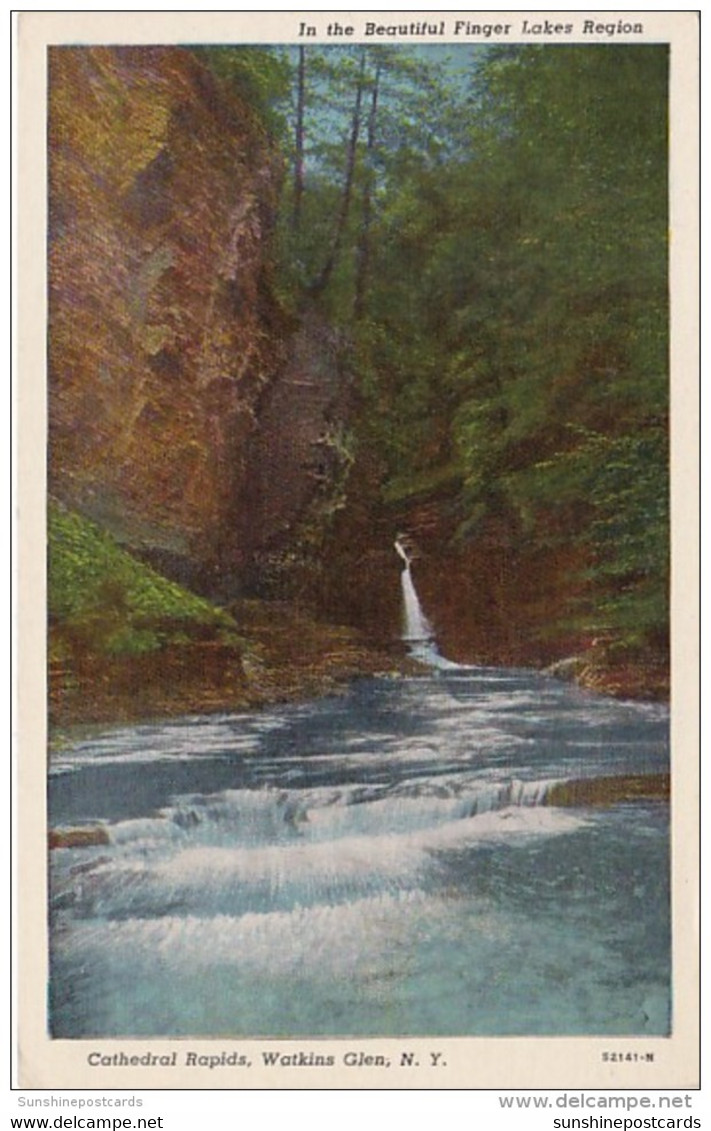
point(163, 334)
point(214, 435)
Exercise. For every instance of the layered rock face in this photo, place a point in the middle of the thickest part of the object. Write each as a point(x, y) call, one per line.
point(162, 332)
point(486, 598)
point(205, 430)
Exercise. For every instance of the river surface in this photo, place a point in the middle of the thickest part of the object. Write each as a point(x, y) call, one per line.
point(377, 863)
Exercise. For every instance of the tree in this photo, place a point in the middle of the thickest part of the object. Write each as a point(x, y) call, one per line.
point(299, 138)
point(363, 246)
point(491, 241)
point(519, 350)
point(321, 282)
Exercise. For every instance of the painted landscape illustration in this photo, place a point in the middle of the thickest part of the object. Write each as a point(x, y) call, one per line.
point(358, 540)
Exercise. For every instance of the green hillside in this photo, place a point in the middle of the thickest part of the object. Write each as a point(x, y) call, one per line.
point(106, 601)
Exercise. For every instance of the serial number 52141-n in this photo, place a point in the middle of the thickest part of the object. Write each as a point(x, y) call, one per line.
point(627, 1056)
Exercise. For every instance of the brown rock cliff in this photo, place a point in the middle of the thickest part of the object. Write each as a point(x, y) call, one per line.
point(162, 332)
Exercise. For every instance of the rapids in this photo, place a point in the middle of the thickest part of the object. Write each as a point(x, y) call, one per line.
point(377, 863)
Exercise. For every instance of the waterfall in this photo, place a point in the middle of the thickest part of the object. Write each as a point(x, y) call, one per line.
point(416, 626)
point(417, 630)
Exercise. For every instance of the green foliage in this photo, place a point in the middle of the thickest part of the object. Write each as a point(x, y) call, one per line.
point(260, 76)
point(399, 101)
point(501, 272)
point(522, 320)
point(580, 303)
point(102, 599)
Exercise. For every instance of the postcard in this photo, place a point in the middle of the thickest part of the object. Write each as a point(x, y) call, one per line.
point(358, 414)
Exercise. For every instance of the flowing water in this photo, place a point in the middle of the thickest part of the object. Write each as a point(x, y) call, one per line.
point(417, 632)
point(375, 863)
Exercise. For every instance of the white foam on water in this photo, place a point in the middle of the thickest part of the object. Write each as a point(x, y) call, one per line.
point(184, 741)
point(319, 868)
point(321, 942)
point(239, 817)
point(223, 911)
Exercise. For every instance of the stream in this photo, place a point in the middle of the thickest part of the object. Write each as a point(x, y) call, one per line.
point(376, 863)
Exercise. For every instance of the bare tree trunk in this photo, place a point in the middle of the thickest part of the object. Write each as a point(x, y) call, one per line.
point(323, 279)
point(299, 161)
point(363, 249)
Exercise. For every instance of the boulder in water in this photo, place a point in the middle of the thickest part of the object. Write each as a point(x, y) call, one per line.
point(610, 790)
point(568, 668)
point(78, 838)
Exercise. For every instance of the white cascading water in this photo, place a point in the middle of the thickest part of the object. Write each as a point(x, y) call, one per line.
point(416, 626)
point(373, 863)
point(417, 630)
